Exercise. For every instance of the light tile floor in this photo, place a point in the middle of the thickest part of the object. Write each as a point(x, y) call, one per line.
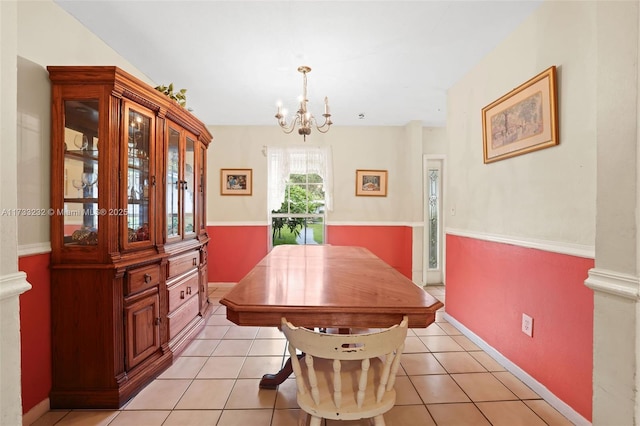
point(446, 380)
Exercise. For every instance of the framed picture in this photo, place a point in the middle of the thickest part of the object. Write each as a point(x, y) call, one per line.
point(371, 183)
point(523, 120)
point(236, 181)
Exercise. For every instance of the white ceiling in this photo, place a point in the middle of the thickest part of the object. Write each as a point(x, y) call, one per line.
point(392, 61)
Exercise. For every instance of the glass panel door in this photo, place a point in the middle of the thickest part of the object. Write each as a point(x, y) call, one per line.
point(433, 234)
point(188, 186)
point(80, 215)
point(202, 161)
point(139, 134)
point(173, 183)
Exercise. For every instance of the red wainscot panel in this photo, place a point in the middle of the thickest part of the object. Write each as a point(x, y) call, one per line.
point(35, 330)
point(234, 251)
point(393, 244)
point(490, 285)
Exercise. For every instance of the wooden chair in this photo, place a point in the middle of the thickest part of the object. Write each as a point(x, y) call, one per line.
point(345, 376)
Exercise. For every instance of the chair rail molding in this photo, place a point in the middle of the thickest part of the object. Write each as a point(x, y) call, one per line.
point(615, 283)
point(578, 250)
point(33, 249)
point(13, 285)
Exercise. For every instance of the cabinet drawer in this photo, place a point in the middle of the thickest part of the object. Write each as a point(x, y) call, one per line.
point(141, 278)
point(181, 317)
point(180, 264)
point(182, 291)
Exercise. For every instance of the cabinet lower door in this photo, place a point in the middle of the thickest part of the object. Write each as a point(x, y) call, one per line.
point(142, 329)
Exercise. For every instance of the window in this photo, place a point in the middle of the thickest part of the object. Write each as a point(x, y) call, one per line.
point(299, 194)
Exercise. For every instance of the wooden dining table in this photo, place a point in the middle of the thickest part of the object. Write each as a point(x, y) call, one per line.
point(326, 286)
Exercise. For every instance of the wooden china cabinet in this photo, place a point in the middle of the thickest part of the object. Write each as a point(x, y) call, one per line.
point(128, 234)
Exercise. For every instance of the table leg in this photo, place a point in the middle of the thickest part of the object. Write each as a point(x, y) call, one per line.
point(271, 381)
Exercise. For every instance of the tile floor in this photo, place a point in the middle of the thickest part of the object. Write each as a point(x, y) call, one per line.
point(446, 380)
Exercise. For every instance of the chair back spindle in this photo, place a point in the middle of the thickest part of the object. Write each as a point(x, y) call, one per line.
point(346, 376)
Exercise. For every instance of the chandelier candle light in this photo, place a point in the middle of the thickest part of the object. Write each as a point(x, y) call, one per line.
point(303, 118)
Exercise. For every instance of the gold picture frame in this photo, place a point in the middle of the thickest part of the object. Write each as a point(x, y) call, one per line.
point(371, 183)
point(236, 181)
point(523, 120)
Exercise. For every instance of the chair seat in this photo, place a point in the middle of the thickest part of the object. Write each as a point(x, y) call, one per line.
point(349, 375)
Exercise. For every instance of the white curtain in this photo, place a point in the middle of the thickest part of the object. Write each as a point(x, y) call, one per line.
point(299, 160)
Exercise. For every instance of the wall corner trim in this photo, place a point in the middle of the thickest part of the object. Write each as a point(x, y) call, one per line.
point(13, 285)
point(615, 283)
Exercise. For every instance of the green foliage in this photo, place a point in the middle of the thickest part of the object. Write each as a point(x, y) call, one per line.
point(313, 183)
point(179, 96)
point(318, 232)
point(286, 237)
point(298, 200)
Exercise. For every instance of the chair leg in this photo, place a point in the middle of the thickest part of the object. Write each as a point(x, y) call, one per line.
point(315, 421)
point(378, 420)
point(302, 418)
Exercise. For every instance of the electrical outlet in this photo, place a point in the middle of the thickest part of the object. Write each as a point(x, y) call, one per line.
point(527, 325)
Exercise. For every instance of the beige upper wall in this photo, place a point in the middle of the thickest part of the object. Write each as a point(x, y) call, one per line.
point(395, 149)
point(546, 195)
point(434, 140)
point(47, 35)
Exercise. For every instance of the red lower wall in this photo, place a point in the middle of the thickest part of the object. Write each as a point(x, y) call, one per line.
point(393, 244)
point(35, 331)
point(490, 285)
point(234, 250)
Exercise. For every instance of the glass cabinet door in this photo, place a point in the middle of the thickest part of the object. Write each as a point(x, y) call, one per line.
point(181, 181)
point(202, 164)
point(189, 186)
point(81, 153)
point(173, 185)
point(138, 181)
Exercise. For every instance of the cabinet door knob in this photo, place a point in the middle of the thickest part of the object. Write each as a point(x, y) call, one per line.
point(182, 294)
point(188, 290)
point(157, 321)
point(147, 278)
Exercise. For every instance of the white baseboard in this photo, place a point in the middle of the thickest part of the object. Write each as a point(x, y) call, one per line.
point(536, 386)
point(36, 412)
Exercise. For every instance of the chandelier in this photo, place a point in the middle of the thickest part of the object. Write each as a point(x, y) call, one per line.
point(303, 119)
